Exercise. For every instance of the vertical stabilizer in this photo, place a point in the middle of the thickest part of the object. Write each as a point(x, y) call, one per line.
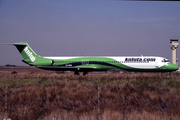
point(27, 53)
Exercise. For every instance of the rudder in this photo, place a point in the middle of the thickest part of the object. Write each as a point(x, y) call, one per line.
point(27, 53)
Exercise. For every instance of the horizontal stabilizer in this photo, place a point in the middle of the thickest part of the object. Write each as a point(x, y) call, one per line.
point(18, 43)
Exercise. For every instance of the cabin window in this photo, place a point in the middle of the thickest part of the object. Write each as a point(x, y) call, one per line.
point(165, 60)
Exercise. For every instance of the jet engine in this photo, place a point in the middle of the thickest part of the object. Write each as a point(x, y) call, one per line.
point(44, 63)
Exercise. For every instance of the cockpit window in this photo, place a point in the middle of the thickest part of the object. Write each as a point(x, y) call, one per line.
point(165, 60)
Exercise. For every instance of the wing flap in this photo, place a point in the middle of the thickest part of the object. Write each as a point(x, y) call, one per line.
point(66, 68)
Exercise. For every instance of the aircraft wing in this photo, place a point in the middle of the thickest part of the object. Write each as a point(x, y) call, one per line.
point(66, 68)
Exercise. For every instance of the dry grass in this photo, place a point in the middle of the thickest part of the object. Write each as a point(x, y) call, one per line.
point(38, 101)
point(38, 95)
point(110, 115)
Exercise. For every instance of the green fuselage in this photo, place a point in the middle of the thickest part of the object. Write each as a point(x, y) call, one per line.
point(86, 64)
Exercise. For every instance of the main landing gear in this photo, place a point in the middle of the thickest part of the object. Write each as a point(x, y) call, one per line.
point(77, 73)
point(84, 73)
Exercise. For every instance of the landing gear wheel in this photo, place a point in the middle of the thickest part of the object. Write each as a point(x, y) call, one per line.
point(168, 73)
point(84, 73)
point(76, 73)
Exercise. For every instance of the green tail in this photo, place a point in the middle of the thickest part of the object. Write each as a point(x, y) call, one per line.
point(27, 53)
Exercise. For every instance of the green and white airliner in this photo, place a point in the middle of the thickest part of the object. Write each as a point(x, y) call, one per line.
point(98, 63)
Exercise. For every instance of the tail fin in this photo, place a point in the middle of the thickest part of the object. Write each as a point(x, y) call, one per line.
point(30, 57)
point(27, 53)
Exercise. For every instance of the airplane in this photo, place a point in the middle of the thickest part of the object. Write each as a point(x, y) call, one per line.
point(98, 63)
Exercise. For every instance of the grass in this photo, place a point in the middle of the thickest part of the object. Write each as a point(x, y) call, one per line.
point(34, 95)
point(143, 81)
point(110, 115)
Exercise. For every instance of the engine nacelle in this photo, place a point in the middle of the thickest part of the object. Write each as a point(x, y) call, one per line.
point(44, 63)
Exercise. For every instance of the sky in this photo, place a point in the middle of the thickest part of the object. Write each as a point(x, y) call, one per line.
point(88, 28)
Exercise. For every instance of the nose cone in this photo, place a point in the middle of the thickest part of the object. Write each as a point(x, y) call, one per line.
point(172, 67)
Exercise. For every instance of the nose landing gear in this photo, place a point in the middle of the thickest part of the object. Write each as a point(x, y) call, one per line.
point(168, 73)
